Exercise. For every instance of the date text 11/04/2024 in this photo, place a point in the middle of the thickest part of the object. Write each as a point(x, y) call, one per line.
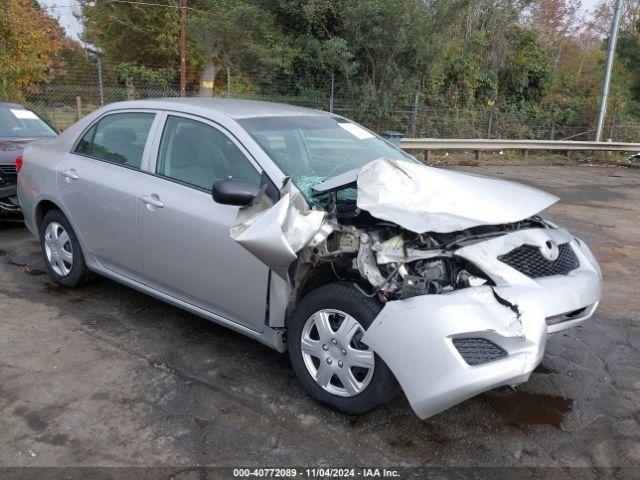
point(316, 472)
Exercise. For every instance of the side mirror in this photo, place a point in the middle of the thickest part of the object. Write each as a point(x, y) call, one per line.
point(235, 191)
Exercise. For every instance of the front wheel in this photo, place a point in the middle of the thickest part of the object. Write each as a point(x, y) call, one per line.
point(328, 355)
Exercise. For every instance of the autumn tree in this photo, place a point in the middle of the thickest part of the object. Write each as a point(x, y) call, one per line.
point(133, 32)
point(602, 15)
point(29, 42)
point(72, 65)
point(557, 22)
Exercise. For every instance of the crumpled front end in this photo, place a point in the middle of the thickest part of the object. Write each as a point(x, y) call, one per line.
point(444, 349)
point(471, 280)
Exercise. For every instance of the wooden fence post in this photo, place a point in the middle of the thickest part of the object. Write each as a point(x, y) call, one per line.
point(78, 107)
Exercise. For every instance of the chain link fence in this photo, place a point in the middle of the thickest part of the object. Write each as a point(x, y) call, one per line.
point(63, 104)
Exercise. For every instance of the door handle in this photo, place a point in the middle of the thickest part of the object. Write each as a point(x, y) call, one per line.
point(152, 200)
point(70, 174)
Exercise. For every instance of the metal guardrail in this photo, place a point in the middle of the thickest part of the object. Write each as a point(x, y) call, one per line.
point(478, 145)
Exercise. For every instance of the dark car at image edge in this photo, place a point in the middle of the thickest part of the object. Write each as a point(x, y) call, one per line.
point(18, 127)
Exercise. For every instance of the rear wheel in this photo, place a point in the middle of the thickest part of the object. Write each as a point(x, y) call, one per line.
point(61, 249)
point(328, 355)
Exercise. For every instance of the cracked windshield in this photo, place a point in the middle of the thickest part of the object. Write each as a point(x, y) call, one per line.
point(312, 149)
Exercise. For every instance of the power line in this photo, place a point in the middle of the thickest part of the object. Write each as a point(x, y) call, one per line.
point(130, 2)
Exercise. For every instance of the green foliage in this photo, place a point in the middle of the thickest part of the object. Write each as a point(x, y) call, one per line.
point(132, 33)
point(525, 57)
point(628, 50)
point(131, 75)
point(527, 70)
point(237, 33)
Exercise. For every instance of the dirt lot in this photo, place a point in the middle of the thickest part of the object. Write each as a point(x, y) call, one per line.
point(107, 376)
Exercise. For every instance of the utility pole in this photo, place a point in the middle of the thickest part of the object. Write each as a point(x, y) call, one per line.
point(183, 48)
point(613, 38)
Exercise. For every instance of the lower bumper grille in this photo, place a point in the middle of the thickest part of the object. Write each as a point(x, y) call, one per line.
point(528, 260)
point(476, 351)
point(8, 169)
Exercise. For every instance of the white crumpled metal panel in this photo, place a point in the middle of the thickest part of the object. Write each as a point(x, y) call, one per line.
point(427, 199)
point(275, 235)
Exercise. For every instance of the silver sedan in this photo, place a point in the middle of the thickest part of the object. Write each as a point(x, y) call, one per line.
point(311, 234)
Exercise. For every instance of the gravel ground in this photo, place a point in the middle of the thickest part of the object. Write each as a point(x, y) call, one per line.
point(106, 376)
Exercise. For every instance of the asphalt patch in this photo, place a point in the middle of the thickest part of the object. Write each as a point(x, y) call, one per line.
point(521, 409)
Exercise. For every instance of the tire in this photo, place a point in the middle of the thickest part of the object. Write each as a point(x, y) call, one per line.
point(334, 304)
point(72, 273)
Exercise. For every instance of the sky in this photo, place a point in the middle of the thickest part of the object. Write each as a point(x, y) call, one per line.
point(589, 5)
point(63, 10)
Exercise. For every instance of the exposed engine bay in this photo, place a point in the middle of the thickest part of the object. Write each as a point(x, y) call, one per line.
point(348, 232)
point(397, 263)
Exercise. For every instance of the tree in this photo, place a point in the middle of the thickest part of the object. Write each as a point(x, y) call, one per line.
point(526, 56)
point(235, 33)
point(72, 66)
point(557, 22)
point(603, 13)
point(132, 76)
point(525, 75)
point(29, 41)
point(476, 52)
point(370, 46)
point(624, 95)
point(133, 33)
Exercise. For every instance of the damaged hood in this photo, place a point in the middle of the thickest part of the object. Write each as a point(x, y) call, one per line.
point(413, 196)
point(427, 199)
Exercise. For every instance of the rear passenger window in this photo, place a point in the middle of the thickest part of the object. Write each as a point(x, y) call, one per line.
point(117, 138)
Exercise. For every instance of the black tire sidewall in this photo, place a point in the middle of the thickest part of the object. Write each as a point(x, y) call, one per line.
point(79, 271)
point(345, 297)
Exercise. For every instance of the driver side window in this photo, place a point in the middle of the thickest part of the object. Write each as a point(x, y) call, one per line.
point(197, 154)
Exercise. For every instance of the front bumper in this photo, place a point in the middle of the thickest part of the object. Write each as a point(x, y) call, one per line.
point(9, 205)
point(415, 336)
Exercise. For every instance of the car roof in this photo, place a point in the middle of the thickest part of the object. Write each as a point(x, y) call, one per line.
point(230, 107)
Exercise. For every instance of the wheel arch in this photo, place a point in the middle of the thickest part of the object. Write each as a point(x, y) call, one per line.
point(42, 208)
point(318, 276)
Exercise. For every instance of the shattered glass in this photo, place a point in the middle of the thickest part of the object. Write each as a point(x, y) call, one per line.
point(305, 184)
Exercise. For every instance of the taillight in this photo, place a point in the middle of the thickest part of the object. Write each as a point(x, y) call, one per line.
point(18, 163)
